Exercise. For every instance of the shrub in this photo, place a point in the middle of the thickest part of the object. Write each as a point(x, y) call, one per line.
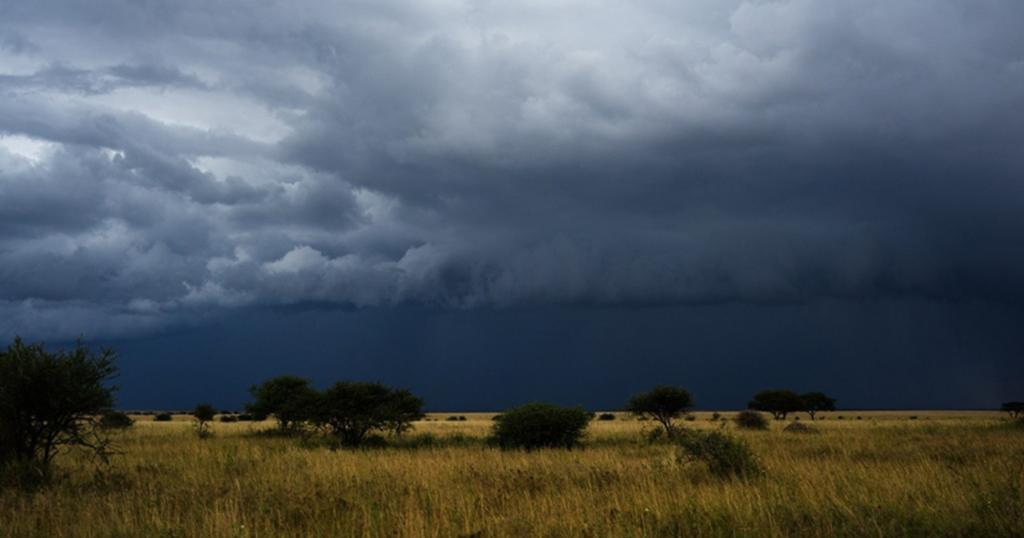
point(462, 418)
point(203, 413)
point(162, 417)
point(245, 417)
point(715, 417)
point(751, 420)
point(115, 420)
point(606, 416)
point(799, 427)
point(228, 418)
point(540, 425)
point(352, 410)
point(452, 418)
point(725, 455)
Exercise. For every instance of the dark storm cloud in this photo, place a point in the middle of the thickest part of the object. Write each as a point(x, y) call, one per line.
point(161, 158)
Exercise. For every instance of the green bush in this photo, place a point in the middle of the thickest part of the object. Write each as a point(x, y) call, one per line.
point(162, 417)
point(540, 425)
point(115, 420)
point(228, 418)
point(725, 455)
point(606, 416)
point(751, 420)
point(799, 427)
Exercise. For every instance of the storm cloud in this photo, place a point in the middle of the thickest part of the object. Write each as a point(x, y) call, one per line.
point(163, 161)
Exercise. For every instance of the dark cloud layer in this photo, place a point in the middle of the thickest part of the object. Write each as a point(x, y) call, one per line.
point(163, 162)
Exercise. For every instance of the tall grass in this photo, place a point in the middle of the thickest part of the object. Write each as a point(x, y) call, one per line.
point(888, 476)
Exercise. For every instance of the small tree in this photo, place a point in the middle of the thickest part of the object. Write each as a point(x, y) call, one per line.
point(540, 425)
point(49, 401)
point(777, 402)
point(1015, 409)
point(351, 410)
point(662, 403)
point(749, 419)
point(815, 402)
point(203, 413)
point(288, 398)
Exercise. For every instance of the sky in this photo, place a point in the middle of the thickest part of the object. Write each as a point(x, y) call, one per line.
point(493, 203)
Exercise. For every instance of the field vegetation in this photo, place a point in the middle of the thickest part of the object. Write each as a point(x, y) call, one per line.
point(869, 474)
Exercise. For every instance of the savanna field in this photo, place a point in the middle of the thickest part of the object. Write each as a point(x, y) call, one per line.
point(884, 474)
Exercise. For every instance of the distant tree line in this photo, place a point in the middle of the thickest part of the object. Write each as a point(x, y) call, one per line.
point(52, 401)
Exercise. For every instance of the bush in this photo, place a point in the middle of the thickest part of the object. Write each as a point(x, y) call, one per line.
point(751, 420)
point(228, 418)
point(715, 417)
point(725, 455)
point(203, 413)
point(799, 427)
point(162, 417)
point(540, 425)
point(246, 417)
point(606, 416)
point(454, 418)
point(351, 411)
point(115, 420)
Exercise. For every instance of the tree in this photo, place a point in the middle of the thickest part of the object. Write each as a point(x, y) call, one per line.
point(1015, 409)
point(540, 425)
point(815, 402)
point(49, 401)
point(777, 402)
point(662, 403)
point(288, 398)
point(351, 410)
point(203, 414)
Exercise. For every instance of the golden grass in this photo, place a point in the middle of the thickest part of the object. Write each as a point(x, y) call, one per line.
point(944, 474)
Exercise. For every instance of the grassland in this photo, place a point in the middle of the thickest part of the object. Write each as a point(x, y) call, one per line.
point(942, 474)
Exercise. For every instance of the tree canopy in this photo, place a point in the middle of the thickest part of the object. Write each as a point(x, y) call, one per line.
point(662, 403)
point(777, 402)
point(287, 397)
point(815, 402)
point(351, 410)
point(52, 400)
point(1015, 409)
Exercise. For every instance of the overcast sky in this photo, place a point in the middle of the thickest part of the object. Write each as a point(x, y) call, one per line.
point(176, 171)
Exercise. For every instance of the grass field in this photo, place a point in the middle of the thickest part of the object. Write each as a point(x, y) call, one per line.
point(941, 474)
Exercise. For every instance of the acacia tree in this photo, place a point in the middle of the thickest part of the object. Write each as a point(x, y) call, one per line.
point(662, 403)
point(1015, 409)
point(49, 401)
point(203, 413)
point(287, 397)
point(815, 402)
point(351, 410)
point(777, 402)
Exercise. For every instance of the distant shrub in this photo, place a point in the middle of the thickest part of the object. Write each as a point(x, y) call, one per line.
point(799, 427)
point(690, 418)
point(245, 417)
point(606, 416)
point(540, 425)
point(462, 418)
point(453, 418)
point(751, 420)
point(725, 455)
point(715, 417)
point(115, 420)
point(162, 417)
point(859, 418)
point(229, 418)
point(913, 417)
